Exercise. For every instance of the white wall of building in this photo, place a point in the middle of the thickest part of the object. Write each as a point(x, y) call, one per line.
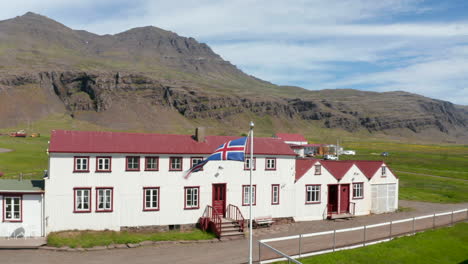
point(384, 198)
point(128, 191)
point(31, 224)
point(355, 175)
point(313, 211)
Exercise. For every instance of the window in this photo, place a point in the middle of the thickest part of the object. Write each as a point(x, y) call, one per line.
point(103, 164)
point(275, 188)
point(12, 211)
point(151, 199)
point(318, 170)
point(270, 164)
point(195, 160)
point(82, 197)
point(104, 197)
point(151, 163)
point(247, 163)
point(384, 171)
point(175, 163)
point(246, 192)
point(133, 163)
point(312, 194)
point(192, 197)
point(81, 164)
point(358, 190)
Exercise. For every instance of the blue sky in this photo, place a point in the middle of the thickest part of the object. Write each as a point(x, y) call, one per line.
point(411, 45)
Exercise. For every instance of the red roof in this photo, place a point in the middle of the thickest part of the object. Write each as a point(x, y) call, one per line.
point(368, 167)
point(291, 137)
point(116, 142)
point(303, 166)
point(339, 168)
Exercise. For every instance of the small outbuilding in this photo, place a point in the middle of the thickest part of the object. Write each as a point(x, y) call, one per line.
point(22, 208)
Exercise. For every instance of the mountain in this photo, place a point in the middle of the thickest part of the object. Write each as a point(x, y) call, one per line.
point(150, 79)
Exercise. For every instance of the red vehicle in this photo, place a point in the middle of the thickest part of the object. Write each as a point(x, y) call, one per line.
point(20, 133)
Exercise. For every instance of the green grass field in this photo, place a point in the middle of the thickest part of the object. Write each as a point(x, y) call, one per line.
point(28, 156)
point(445, 245)
point(87, 239)
point(413, 163)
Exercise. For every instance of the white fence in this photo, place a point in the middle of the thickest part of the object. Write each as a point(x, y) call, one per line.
point(335, 240)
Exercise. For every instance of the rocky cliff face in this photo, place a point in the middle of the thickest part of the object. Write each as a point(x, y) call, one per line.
point(93, 92)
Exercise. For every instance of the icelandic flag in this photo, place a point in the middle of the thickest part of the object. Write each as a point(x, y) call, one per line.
point(231, 150)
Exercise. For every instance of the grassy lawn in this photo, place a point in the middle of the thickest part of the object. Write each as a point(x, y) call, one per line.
point(87, 239)
point(28, 156)
point(445, 245)
point(439, 160)
point(431, 189)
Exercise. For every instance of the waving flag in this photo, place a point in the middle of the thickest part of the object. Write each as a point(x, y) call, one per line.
point(231, 150)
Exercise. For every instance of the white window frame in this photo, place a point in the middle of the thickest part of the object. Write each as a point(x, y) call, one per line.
point(103, 164)
point(81, 164)
point(245, 195)
point(104, 199)
point(153, 161)
point(270, 164)
point(10, 213)
point(132, 163)
point(199, 159)
point(80, 198)
point(175, 163)
point(192, 197)
point(151, 196)
point(384, 171)
point(275, 195)
point(318, 169)
point(358, 190)
point(313, 194)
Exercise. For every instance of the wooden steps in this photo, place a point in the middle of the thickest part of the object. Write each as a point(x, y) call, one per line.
point(230, 230)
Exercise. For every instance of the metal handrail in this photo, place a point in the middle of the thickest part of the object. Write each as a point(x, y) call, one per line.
point(234, 213)
point(213, 216)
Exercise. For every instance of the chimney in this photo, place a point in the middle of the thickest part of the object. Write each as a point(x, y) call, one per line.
point(200, 134)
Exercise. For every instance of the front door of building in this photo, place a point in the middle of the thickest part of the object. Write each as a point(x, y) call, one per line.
point(344, 198)
point(219, 198)
point(333, 198)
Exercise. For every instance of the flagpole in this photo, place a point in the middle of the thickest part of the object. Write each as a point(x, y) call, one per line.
point(250, 191)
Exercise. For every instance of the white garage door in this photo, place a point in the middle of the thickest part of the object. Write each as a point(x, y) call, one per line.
point(383, 198)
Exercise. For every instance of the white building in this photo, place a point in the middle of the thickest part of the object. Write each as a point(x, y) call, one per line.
point(22, 207)
point(107, 180)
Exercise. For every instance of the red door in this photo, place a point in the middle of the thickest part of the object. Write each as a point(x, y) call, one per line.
point(219, 198)
point(344, 198)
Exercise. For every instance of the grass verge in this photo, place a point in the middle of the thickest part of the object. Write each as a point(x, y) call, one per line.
point(444, 245)
point(87, 239)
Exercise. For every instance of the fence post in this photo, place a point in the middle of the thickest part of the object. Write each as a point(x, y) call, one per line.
point(334, 239)
point(300, 245)
point(259, 252)
point(414, 229)
point(433, 221)
point(390, 235)
point(365, 229)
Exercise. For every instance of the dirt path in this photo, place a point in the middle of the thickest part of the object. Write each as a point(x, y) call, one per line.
point(222, 252)
point(430, 175)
